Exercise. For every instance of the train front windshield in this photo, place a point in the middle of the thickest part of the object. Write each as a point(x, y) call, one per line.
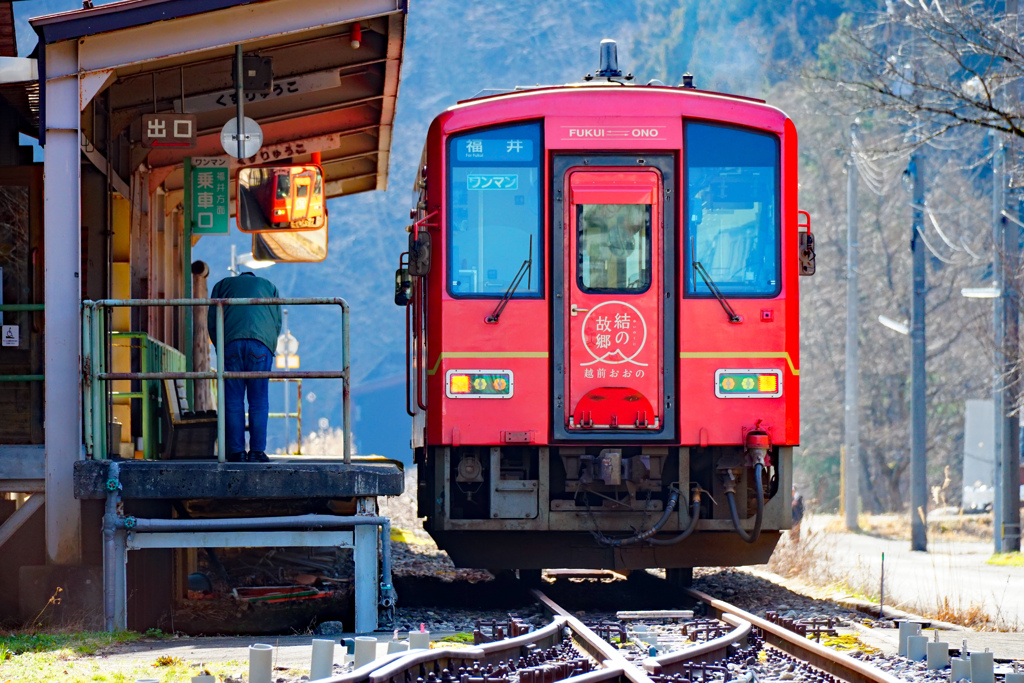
point(732, 211)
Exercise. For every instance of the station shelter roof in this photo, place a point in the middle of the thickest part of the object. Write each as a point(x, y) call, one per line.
point(329, 96)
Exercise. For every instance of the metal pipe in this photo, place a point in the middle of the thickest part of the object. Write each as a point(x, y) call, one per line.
point(690, 528)
point(304, 522)
point(110, 522)
point(346, 402)
point(731, 497)
point(99, 434)
point(388, 597)
point(254, 301)
point(87, 380)
point(228, 374)
point(222, 442)
point(673, 498)
point(239, 103)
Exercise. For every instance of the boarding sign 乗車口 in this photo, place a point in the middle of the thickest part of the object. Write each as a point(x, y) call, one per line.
point(208, 190)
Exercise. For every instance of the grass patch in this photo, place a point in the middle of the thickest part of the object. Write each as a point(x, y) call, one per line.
point(83, 657)
point(1007, 559)
point(465, 638)
point(76, 643)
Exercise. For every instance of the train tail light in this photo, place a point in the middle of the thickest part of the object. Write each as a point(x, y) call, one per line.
point(478, 383)
point(748, 383)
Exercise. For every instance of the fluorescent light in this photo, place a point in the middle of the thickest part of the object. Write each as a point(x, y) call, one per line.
point(248, 261)
point(893, 325)
point(981, 292)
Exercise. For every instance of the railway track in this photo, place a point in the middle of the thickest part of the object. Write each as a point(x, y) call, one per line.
point(568, 650)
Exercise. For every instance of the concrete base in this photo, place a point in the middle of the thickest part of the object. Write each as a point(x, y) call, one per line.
point(283, 478)
point(76, 590)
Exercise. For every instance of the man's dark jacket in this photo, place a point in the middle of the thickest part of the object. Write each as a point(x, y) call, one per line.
point(259, 322)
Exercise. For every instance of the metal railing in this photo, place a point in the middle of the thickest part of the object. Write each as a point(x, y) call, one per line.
point(94, 362)
point(152, 354)
point(21, 308)
point(297, 414)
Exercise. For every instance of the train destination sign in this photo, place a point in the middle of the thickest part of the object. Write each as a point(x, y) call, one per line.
point(494, 149)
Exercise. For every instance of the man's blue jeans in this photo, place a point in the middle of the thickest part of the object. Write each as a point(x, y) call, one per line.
point(247, 355)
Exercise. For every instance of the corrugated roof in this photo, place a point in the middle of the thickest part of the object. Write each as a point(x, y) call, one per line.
point(115, 16)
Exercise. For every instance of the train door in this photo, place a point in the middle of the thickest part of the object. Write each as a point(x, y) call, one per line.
point(615, 322)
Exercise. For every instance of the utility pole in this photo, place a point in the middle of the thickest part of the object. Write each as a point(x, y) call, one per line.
point(999, 378)
point(918, 415)
point(1009, 528)
point(851, 468)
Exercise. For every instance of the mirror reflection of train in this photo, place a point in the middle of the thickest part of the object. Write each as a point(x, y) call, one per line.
point(280, 198)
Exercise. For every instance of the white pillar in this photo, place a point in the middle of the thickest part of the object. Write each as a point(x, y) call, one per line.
point(62, 221)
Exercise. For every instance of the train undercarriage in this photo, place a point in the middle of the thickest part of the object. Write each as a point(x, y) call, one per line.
point(623, 507)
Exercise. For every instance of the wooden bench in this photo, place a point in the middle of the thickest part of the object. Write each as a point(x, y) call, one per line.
point(189, 436)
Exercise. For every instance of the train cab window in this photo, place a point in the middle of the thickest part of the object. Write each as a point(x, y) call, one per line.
point(614, 248)
point(732, 209)
point(494, 211)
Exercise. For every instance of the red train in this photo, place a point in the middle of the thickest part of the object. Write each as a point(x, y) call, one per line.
point(603, 332)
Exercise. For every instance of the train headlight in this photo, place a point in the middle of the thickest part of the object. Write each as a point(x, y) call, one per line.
point(478, 384)
point(748, 383)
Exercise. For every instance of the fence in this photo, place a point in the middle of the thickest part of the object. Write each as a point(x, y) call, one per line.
point(94, 364)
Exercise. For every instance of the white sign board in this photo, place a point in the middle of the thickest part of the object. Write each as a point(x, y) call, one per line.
point(11, 335)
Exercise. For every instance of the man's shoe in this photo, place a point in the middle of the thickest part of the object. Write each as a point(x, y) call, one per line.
point(257, 456)
point(236, 457)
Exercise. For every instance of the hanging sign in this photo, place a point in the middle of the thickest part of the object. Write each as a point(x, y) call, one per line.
point(207, 195)
point(169, 130)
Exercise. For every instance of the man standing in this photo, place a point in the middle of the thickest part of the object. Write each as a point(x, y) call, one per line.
point(250, 335)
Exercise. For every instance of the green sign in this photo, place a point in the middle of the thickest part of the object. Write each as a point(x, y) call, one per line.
point(206, 186)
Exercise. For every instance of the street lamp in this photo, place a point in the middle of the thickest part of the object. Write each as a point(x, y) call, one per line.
point(895, 326)
point(248, 260)
point(992, 292)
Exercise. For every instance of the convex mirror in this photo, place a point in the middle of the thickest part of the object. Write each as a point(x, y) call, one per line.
point(281, 198)
point(307, 246)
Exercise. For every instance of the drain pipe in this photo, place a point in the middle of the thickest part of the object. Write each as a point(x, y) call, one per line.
point(388, 595)
point(673, 498)
point(111, 520)
point(758, 444)
point(694, 518)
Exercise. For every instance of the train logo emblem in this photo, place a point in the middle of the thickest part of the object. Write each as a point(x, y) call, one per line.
point(614, 332)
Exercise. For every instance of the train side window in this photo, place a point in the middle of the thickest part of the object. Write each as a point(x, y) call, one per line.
point(732, 209)
point(494, 211)
point(614, 248)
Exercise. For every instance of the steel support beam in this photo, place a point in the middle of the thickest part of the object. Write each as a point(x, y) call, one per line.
point(63, 286)
point(20, 516)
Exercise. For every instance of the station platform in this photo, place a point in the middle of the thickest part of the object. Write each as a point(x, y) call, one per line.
point(284, 477)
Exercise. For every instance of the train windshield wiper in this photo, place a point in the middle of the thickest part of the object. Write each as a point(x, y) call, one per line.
point(525, 269)
point(704, 275)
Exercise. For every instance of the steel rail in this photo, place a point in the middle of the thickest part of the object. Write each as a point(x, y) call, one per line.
point(593, 644)
point(714, 650)
point(833, 662)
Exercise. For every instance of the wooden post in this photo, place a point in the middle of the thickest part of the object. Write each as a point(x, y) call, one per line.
point(201, 340)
